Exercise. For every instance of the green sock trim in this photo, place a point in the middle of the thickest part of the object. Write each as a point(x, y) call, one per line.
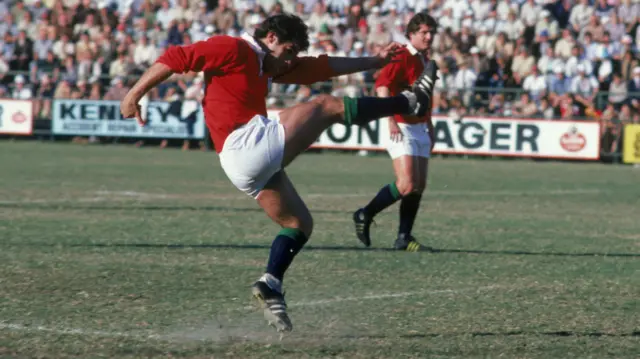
point(394, 190)
point(292, 233)
point(350, 109)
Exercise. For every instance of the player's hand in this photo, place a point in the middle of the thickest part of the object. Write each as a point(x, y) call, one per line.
point(389, 52)
point(394, 131)
point(130, 108)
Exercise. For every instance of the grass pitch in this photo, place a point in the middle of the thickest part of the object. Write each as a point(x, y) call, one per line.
point(119, 252)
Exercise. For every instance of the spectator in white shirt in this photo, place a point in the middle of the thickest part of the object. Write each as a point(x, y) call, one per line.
point(535, 84)
point(165, 16)
point(576, 59)
point(486, 42)
point(465, 81)
point(480, 9)
point(318, 17)
point(546, 22)
point(513, 27)
point(580, 15)
point(145, 52)
point(21, 91)
point(548, 62)
point(564, 47)
point(584, 87)
point(529, 13)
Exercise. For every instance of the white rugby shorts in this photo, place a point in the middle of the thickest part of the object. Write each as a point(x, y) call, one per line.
point(253, 153)
point(415, 141)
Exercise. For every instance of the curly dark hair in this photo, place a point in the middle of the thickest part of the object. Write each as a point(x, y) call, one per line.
point(421, 18)
point(288, 28)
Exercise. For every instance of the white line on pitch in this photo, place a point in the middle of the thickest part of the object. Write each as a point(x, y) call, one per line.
point(95, 333)
point(384, 296)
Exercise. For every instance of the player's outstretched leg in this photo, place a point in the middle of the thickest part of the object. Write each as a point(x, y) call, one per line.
point(304, 123)
point(284, 206)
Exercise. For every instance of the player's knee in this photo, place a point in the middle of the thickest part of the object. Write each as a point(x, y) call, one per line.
point(406, 187)
point(304, 223)
point(329, 105)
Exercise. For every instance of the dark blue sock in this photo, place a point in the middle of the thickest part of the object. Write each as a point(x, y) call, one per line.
point(361, 110)
point(387, 196)
point(408, 210)
point(283, 249)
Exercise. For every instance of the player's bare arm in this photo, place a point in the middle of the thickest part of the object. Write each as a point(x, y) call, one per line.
point(309, 70)
point(350, 65)
point(156, 74)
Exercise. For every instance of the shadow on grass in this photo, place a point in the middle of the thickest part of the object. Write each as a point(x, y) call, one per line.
point(136, 207)
point(325, 248)
point(502, 334)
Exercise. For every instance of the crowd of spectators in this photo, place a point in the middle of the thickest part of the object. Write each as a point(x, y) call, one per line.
point(529, 58)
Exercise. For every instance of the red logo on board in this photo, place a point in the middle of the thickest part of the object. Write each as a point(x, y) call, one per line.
point(573, 140)
point(18, 117)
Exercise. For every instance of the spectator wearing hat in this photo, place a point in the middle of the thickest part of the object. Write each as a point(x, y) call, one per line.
point(21, 91)
point(548, 24)
point(559, 85)
point(479, 62)
point(584, 87)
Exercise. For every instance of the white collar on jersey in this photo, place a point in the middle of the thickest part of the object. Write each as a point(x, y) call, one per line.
point(253, 43)
point(412, 50)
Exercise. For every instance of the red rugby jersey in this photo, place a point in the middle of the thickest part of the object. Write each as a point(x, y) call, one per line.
point(400, 75)
point(236, 87)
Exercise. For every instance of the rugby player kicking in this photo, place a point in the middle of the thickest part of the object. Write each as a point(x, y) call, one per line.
point(254, 149)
